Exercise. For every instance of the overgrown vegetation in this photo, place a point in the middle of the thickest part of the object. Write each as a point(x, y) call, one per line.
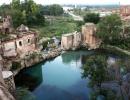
point(56, 26)
point(109, 28)
point(23, 12)
point(92, 17)
point(29, 13)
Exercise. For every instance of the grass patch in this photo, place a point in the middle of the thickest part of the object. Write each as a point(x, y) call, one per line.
point(57, 26)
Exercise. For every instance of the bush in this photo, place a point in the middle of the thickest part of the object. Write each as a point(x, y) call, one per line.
point(15, 65)
point(92, 17)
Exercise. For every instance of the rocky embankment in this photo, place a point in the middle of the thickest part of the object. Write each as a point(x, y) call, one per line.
point(37, 58)
point(25, 62)
point(4, 93)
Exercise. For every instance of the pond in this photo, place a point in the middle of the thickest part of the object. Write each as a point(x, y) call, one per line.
point(59, 78)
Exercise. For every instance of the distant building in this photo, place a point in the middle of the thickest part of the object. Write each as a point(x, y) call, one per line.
point(125, 10)
point(87, 38)
point(71, 41)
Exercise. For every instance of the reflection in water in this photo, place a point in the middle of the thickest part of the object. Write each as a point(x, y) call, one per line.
point(58, 79)
point(27, 79)
point(106, 77)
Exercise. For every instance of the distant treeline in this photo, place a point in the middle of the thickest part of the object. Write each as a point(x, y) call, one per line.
point(54, 10)
point(28, 12)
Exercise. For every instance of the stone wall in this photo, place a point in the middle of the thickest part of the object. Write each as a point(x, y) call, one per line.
point(67, 41)
point(35, 58)
point(4, 92)
point(71, 41)
point(25, 44)
point(9, 81)
point(77, 40)
point(9, 49)
point(89, 36)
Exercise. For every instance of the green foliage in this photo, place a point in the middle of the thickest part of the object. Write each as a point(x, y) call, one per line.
point(53, 10)
point(92, 17)
point(109, 28)
point(5, 10)
point(18, 18)
point(123, 43)
point(57, 26)
point(15, 65)
point(56, 10)
point(26, 12)
point(15, 4)
point(44, 44)
point(96, 70)
point(79, 25)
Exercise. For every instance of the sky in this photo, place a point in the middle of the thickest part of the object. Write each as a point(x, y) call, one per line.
point(89, 2)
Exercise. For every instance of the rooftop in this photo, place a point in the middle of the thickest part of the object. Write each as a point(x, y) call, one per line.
point(22, 28)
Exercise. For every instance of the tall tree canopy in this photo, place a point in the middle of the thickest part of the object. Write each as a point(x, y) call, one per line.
point(53, 10)
point(92, 17)
point(109, 28)
point(26, 12)
point(96, 70)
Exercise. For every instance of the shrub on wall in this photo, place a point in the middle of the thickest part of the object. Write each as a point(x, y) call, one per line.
point(15, 65)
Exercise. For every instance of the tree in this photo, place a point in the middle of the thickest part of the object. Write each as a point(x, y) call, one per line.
point(26, 12)
point(92, 17)
point(96, 70)
point(18, 18)
point(53, 10)
point(109, 28)
point(5, 10)
point(15, 4)
point(56, 10)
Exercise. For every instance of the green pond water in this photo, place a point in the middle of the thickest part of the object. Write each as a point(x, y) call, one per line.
point(59, 78)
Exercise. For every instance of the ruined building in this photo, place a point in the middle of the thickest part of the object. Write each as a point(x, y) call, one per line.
point(15, 45)
point(86, 39)
point(71, 41)
point(21, 43)
point(89, 38)
point(6, 25)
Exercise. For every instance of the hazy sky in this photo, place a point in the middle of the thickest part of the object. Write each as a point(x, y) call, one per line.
point(76, 1)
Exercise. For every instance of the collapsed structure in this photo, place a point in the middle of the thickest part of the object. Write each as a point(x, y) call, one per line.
point(71, 41)
point(86, 39)
point(18, 43)
point(6, 25)
point(14, 44)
